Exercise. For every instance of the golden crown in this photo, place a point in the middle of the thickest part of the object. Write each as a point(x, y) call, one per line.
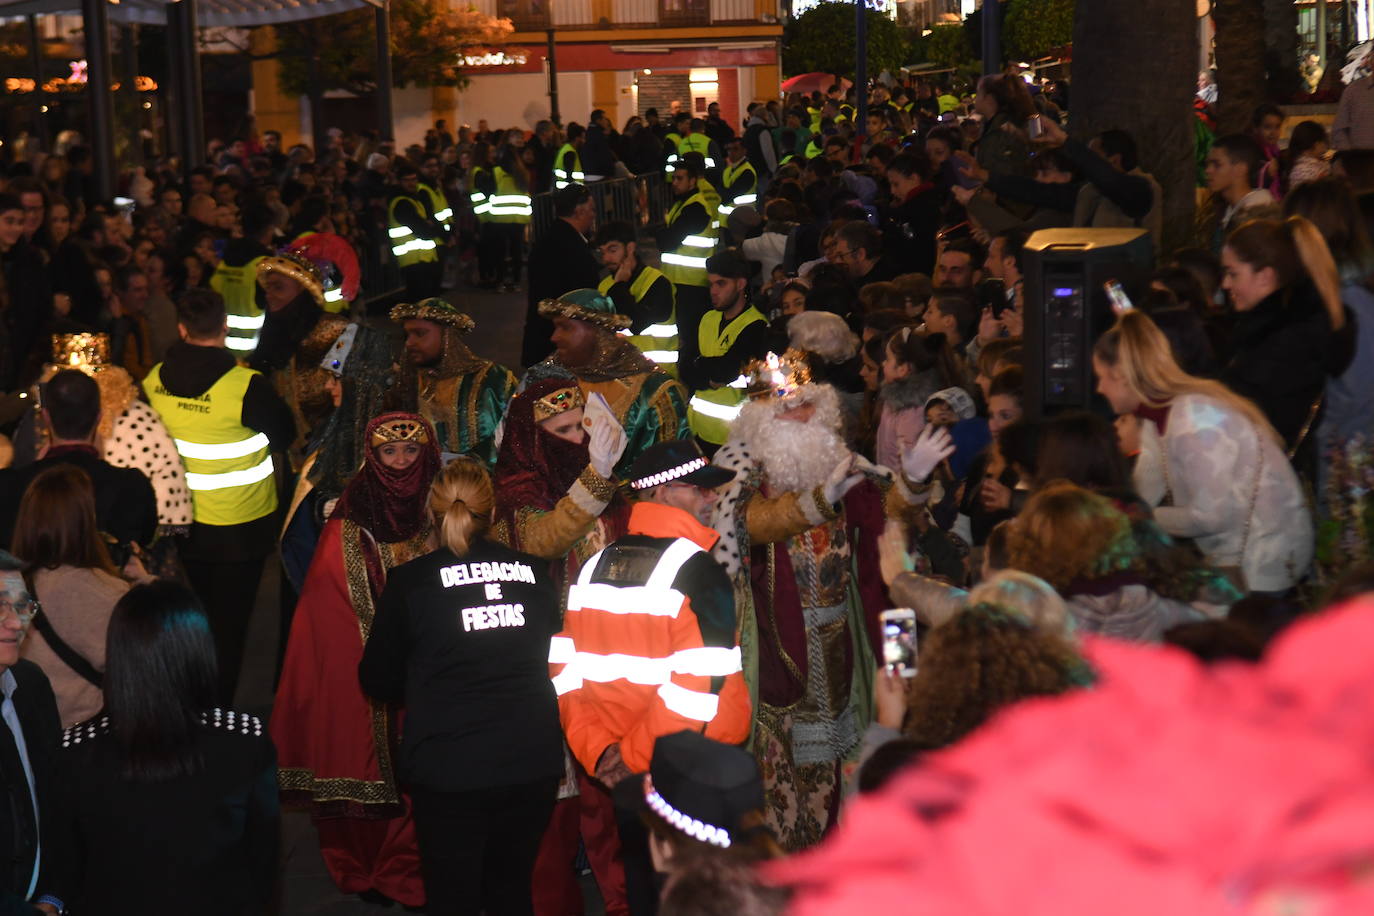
point(400, 430)
point(80, 351)
point(296, 265)
point(556, 402)
point(777, 376)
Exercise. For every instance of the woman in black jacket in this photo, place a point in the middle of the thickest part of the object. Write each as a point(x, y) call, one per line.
point(1292, 330)
point(171, 801)
point(461, 637)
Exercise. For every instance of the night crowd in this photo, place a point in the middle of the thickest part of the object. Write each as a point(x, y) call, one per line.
point(759, 586)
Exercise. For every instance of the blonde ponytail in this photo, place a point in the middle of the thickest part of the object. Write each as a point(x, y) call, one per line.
point(1316, 257)
point(461, 499)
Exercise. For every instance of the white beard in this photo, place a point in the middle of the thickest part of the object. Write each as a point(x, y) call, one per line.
point(794, 456)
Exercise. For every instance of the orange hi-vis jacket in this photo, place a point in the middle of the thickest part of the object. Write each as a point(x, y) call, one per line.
point(649, 644)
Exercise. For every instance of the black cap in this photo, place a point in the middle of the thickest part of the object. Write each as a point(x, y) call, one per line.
point(702, 787)
point(729, 263)
point(676, 461)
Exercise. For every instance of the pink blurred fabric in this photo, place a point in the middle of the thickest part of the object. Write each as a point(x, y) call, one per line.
point(1169, 788)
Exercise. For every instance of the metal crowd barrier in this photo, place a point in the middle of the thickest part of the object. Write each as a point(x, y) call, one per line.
point(642, 201)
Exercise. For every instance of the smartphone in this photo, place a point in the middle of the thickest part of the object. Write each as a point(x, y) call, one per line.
point(1035, 128)
point(1121, 303)
point(899, 640)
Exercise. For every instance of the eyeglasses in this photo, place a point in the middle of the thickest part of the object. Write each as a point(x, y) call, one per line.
point(25, 609)
point(843, 253)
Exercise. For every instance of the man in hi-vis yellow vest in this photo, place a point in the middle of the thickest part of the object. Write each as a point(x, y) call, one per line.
point(225, 420)
point(731, 335)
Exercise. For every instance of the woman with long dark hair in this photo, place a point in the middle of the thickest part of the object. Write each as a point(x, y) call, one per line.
point(336, 744)
point(172, 800)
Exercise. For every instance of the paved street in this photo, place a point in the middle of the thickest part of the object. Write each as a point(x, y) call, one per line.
point(306, 889)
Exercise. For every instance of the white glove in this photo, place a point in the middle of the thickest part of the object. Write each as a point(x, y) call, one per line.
point(606, 444)
point(841, 480)
point(932, 446)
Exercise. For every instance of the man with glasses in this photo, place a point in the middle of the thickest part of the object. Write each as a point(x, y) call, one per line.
point(649, 642)
point(859, 248)
point(31, 842)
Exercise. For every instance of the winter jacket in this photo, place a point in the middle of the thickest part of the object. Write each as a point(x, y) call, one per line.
point(1282, 351)
point(649, 643)
point(1124, 609)
point(1208, 460)
point(904, 414)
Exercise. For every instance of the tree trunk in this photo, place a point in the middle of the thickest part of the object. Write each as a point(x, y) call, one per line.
point(1115, 45)
point(1281, 48)
point(1240, 62)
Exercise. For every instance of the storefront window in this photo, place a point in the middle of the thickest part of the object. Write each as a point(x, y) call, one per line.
point(525, 14)
point(685, 12)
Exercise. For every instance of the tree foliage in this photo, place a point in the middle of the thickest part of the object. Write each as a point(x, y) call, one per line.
point(822, 40)
point(949, 46)
point(1033, 27)
point(428, 42)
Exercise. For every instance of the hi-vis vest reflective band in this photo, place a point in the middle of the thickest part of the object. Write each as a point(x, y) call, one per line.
point(747, 195)
point(658, 342)
point(408, 247)
point(438, 205)
point(239, 288)
point(509, 204)
point(711, 410)
point(228, 465)
point(481, 205)
point(562, 177)
point(655, 599)
point(686, 265)
point(692, 143)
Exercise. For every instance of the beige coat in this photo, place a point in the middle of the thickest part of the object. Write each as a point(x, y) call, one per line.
point(78, 602)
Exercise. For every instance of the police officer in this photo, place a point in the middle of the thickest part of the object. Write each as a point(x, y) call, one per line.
point(462, 637)
point(226, 420)
point(640, 291)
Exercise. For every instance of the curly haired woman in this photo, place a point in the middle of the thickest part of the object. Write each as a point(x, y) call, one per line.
point(980, 661)
point(1085, 547)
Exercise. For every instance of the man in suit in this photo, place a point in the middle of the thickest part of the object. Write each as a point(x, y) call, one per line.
point(125, 505)
point(32, 849)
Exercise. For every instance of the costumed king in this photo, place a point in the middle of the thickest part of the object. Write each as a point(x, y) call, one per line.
point(462, 395)
point(648, 403)
point(800, 527)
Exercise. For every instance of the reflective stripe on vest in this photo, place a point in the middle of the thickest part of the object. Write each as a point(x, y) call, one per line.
point(692, 143)
point(509, 204)
point(711, 410)
point(480, 204)
point(228, 465)
point(747, 196)
point(408, 247)
point(658, 342)
point(686, 265)
point(562, 177)
point(238, 286)
point(438, 205)
point(655, 598)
